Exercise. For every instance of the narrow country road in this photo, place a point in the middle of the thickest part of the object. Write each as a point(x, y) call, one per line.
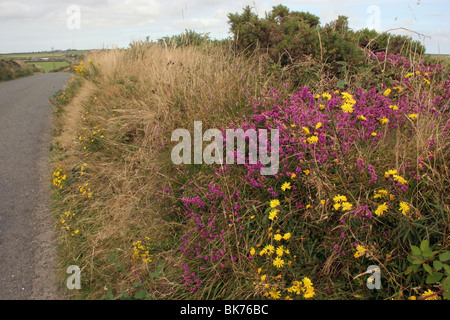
point(27, 244)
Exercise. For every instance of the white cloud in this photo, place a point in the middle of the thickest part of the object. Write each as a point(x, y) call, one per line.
point(40, 24)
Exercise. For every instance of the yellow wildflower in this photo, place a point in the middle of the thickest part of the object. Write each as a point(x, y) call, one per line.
point(275, 294)
point(387, 92)
point(340, 198)
point(273, 214)
point(360, 250)
point(429, 292)
point(346, 206)
point(381, 209)
point(347, 108)
point(269, 249)
point(287, 236)
point(404, 207)
point(389, 173)
point(326, 95)
point(278, 237)
point(399, 179)
point(380, 193)
point(306, 130)
point(286, 185)
point(280, 251)
point(278, 262)
point(395, 108)
point(312, 140)
point(384, 120)
point(274, 203)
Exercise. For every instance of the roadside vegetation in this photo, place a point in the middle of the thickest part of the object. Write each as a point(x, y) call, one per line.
point(16, 65)
point(364, 151)
point(10, 69)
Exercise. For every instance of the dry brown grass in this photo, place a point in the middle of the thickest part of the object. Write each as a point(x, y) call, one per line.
point(138, 97)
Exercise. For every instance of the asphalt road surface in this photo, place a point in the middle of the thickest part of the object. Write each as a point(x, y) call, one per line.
point(27, 244)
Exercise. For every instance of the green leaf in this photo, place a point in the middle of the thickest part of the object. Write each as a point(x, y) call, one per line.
point(411, 269)
point(427, 268)
point(107, 296)
point(416, 251)
point(141, 294)
point(428, 253)
point(341, 84)
point(444, 256)
point(447, 269)
point(435, 277)
point(417, 262)
point(446, 284)
point(424, 245)
point(446, 295)
point(437, 265)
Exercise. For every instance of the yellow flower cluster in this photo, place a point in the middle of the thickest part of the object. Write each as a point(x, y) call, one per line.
point(340, 202)
point(274, 212)
point(141, 250)
point(90, 136)
point(85, 190)
point(396, 177)
point(382, 193)
point(360, 251)
point(311, 139)
point(305, 286)
point(347, 107)
point(64, 223)
point(58, 178)
point(384, 120)
point(80, 69)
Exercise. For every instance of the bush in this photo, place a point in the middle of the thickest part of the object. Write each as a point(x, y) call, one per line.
point(11, 69)
point(187, 38)
point(307, 53)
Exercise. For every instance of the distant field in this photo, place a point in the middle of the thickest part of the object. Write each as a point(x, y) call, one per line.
point(48, 61)
point(442, 58)
point(49, 65)
point(53, 54)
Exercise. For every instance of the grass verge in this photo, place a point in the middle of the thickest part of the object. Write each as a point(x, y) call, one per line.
point(361, 181)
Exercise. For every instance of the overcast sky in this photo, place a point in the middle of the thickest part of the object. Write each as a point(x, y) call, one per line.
point(40, 25)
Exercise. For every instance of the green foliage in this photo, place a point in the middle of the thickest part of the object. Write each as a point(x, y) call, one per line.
point(392, 44)
point(299, 45)
point(187, 38)
point(433, 263)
